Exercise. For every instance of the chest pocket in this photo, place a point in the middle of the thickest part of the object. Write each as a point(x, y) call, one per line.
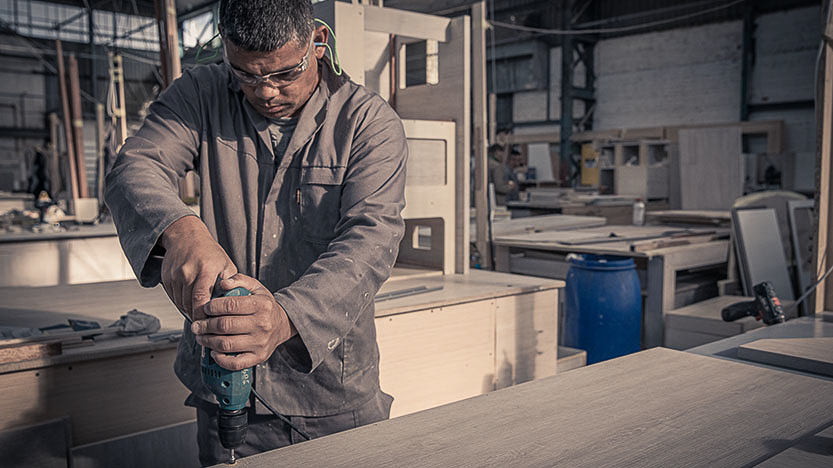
point(320, 199)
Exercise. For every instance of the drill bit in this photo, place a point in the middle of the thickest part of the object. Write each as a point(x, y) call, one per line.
point(232, 460)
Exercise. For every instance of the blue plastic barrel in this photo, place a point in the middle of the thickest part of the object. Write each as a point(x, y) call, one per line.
point(603, 307)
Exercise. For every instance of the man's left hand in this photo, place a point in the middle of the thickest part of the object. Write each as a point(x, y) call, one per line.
point(250, 327)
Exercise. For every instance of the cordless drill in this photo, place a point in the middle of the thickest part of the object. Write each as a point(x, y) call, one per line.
point(766, 306)
point(232, 390)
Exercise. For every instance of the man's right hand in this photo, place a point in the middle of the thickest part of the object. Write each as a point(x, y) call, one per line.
point(193, 261)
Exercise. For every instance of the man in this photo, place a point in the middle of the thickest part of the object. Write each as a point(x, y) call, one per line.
point(302, 177)
point(502, 174)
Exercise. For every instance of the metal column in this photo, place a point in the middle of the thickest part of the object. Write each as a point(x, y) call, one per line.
point(574, 50)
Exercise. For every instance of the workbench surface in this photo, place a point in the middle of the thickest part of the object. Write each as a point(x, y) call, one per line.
point(74, 232)
point(655, 408)
point(106, 302)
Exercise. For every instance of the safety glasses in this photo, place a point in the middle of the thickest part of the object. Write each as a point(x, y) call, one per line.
point(279, 78)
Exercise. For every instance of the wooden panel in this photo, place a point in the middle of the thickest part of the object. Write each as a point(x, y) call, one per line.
point(711, 168)
point(805, 354)
point(377, 74)
point(656, 408)
point(406, 23)
point(436, 356)
point(427, 161)
point(437, 255)
point(526, 331)
point(449, 99)
point(431, 199)
point(480, 129)
point(102, 397)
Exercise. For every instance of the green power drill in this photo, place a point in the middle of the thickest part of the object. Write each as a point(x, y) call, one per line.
point(232, 390)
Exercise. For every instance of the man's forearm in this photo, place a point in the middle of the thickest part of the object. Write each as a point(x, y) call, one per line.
point(183, 228)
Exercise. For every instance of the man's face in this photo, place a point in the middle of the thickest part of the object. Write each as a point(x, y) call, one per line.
point(284, 99)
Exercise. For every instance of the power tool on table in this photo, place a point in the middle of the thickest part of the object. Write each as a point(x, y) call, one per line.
point(232, 390)
point(766, 306)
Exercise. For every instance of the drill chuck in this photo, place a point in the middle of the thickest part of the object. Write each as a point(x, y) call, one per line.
point(232, 426)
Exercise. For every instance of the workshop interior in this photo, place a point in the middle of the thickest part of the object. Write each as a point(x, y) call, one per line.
point(613, 221)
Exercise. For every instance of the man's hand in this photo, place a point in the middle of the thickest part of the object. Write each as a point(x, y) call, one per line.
point(193, 262)
point(249, 326)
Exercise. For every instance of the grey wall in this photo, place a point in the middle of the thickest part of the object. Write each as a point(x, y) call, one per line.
point(681, 76)
point(692, 75)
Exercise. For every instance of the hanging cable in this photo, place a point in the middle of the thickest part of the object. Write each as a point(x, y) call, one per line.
point(635, 27)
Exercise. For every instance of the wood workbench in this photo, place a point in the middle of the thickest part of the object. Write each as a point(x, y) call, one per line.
point(478, 332)
point(544, 254)
point(656, 408)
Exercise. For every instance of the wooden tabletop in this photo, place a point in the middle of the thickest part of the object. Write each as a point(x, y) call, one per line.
point(656, 408)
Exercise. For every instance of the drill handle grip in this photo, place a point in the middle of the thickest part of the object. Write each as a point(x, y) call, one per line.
point(738, 311)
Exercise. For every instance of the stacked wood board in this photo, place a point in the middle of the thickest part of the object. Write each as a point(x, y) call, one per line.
point(814, 355)
point(701, 323)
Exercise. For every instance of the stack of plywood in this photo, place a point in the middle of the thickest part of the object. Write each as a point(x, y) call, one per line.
point(701, 323)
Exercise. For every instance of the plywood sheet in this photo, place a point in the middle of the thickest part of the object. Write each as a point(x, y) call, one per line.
point(555, 222)
point(656, 408)
point(804, 354)
point(711, 168)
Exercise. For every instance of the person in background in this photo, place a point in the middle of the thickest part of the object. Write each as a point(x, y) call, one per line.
point(502, 173)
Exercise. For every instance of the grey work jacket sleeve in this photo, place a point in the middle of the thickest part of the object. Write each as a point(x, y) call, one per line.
point(325, 302)
point(142, 189)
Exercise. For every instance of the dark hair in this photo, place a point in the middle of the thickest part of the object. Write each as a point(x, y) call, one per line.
point(494, 148)
point(265, 25)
